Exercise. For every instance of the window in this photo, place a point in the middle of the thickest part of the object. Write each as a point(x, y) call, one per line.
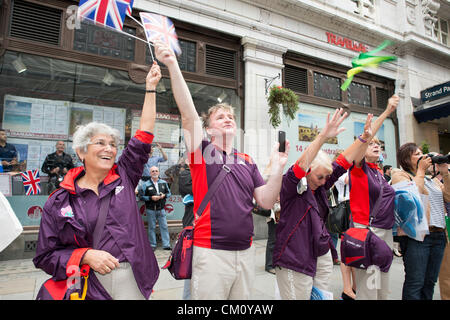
point(359, 94)
point(187, 60)
point(326, 86)
point(296, 79)
point(441, 31)
point(101, 41)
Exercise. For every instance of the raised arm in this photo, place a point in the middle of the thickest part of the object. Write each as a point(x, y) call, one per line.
point(148, 116)
point(368, 135)
point(190, 120)
point(330, 130)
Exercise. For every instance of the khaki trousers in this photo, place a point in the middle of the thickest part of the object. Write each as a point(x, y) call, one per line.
point(120, 283)
point(444, 275)
point(222, 274)
point(372, 284)
point(295, 285)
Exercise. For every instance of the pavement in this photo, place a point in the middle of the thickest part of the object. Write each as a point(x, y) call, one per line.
point(20, 280)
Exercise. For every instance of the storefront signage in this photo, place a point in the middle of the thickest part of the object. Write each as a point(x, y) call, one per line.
point(345, 42)
point(435, 92)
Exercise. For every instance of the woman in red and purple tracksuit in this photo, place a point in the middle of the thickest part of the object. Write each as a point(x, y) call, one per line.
point(303, 250)
point(366, 181)
point(123, 265)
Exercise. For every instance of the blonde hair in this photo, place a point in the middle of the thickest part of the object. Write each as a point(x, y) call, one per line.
point(207, 116)
point(322, 160)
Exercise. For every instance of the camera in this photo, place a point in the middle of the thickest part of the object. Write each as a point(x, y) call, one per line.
point(437, 159)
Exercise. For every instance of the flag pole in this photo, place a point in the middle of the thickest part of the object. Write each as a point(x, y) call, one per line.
point(149, 43)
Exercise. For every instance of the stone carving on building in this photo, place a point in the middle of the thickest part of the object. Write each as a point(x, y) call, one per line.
point(411, 14)
point(365, 8)
point(429, 10)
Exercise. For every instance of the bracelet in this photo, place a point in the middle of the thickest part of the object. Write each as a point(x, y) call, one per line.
point(150, 91)
point(361, 139)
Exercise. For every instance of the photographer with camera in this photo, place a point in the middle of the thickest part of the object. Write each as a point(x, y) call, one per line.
point(56, 165)
point(422, 260)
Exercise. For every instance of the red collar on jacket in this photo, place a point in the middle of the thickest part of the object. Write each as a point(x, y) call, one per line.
point(374, 166)
point(69, 180)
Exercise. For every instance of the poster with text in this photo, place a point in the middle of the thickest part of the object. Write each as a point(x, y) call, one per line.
point(25, 117)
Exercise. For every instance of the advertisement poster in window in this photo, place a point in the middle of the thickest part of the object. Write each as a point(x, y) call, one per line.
point(35, 118)
point(311, 119)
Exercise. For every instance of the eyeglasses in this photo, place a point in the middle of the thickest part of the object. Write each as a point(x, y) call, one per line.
point(103, 144)
point(154, 171)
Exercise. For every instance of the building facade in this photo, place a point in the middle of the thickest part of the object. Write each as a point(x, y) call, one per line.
point(58, 72)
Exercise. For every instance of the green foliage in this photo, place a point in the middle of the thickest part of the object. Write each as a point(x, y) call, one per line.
point(289, 101)
point(425, 146)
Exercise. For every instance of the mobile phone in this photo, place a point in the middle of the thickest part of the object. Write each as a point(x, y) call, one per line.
point(282, 141)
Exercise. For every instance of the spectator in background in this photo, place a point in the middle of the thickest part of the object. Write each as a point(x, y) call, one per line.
point(8, 153)
point(173, 174)
point(155, 193)
point(185, 188)
point(422, 259)
point(56, 165)
point(153, 160)
point(387, 171)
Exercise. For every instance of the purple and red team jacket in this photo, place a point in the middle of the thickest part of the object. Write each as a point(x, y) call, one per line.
point(301, 235)
point(364, 192)
point(227, 221)
point(70, 215)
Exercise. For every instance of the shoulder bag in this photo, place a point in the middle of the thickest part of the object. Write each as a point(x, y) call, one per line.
point(179, 263)
point(361, 248)
point(338, 220)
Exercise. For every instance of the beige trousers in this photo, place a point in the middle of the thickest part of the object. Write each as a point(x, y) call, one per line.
point(120, 283)
point(295, 285)
point(222, 274)
point(372, 284)
point(444, 275)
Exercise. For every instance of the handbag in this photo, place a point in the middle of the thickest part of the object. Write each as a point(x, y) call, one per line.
point(68, 289)
point(338, 220)
point(179, 263)
point(361, 248)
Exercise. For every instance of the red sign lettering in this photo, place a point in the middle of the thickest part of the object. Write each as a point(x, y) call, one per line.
point(345, 43)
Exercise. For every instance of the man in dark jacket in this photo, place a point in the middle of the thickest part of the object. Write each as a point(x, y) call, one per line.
point(155, 192)
point(56, 165)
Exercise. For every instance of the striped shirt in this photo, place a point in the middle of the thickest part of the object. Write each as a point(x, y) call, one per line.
point(436, 199)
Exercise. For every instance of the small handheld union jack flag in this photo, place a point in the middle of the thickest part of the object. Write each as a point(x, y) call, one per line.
point(110, 13)
point(31, 182)
point(160, 27)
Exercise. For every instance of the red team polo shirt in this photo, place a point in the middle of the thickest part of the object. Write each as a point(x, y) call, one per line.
point(227, 221)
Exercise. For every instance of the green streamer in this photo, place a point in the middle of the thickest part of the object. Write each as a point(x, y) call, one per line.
point(366, 59)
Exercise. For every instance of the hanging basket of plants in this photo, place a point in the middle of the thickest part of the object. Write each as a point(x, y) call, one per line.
point(284, 97)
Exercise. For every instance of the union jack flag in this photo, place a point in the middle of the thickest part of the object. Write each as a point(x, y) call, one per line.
point(31, 182)
point(109, 13)
point(160, 27)
point(130, 7)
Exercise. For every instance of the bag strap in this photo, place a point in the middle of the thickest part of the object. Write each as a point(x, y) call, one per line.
point(212, 190)
point(380, 196)
point(100, 225)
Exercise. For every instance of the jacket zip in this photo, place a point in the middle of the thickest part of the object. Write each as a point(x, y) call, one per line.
point(292, 232)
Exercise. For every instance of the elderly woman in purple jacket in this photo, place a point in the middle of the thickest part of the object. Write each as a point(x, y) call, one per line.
point(122, 265)
point(303, 250)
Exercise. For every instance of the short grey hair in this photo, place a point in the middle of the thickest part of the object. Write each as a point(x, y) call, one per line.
point(322, 160)
point(84, 133)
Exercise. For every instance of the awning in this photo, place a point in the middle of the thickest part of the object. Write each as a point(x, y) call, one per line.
point(440, 110)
